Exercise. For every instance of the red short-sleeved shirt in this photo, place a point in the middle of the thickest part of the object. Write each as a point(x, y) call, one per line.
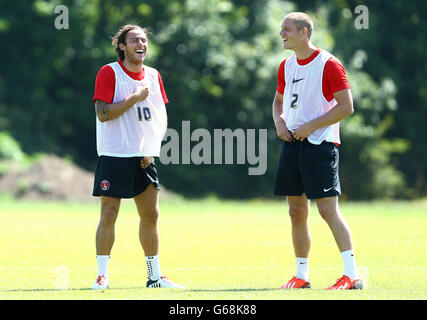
point(106, 82)
point(334, 77)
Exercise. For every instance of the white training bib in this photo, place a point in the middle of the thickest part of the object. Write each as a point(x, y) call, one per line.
point(138, 131)
point(303, 99)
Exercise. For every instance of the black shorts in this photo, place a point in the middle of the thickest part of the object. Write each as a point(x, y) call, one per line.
point(308, 168)
point(123, 177)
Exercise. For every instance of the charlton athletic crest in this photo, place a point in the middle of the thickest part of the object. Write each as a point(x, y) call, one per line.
point(105, 185)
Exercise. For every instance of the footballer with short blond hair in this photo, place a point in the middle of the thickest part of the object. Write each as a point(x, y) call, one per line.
point(312, 96)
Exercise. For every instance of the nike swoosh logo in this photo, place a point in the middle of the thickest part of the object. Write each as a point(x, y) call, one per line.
point(296, 80)
point(152, 180)
point(326, 190)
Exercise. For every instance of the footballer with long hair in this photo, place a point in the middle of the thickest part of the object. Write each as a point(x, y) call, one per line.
point(131, 122)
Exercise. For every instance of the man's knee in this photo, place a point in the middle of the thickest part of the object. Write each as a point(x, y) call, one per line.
point(148, 205)
point(298, 212)
point(151, 215)
point(109, 211)
point(327, 210)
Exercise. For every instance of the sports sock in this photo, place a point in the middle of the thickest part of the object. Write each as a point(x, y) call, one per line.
point(103, 265)
point(350, 268)
point(302, 268)
point(153, 267)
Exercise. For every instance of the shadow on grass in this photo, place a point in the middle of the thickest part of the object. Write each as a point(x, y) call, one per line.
point(135, 288)
point(232, 290)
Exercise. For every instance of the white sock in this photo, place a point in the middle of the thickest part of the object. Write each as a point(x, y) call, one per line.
point(153, 267)
point(103, 265)
point(302, 268)
point(350, 268)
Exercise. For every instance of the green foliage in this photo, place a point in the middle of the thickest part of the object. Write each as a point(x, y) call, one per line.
point(394, 52)
point(218, 60)
point(365, 149)
point(219, 75)
point(10, 148)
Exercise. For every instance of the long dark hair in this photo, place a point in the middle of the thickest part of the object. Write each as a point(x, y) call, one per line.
point(120, 37)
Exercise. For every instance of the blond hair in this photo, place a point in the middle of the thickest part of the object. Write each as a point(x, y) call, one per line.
point(302, 20)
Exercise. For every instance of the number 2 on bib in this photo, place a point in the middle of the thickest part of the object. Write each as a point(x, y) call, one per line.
point(144, 114)
point(294, 100)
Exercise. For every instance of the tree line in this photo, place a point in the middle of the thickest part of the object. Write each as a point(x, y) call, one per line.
point(219, 60)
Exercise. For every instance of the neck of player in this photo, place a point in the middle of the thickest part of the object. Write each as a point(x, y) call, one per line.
point(133, 67)
point(305, 50)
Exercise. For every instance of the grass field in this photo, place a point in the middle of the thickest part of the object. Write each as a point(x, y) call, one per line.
point(218, 249)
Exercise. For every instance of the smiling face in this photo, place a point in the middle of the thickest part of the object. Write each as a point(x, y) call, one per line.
point(136, 46)
point(296, 30)
point(291, 37)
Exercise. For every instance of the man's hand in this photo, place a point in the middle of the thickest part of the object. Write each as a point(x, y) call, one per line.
point(145, 162)
point(282, 131)
point(110, 111)
point(342, 109)
point(141, 93)
point(302, 132)
point(281, 128)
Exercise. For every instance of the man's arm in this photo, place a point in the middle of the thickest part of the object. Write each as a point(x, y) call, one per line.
point(281, 129)
point(109, 111)
point(343, 109)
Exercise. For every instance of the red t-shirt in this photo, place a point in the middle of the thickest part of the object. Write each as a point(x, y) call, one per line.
point(106, 82)
point(334, 77)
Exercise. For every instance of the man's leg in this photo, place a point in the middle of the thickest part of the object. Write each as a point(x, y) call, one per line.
point(299, 208)
point(105, 239)
point(147, 204)
point(329, 210)
point(105, 232)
